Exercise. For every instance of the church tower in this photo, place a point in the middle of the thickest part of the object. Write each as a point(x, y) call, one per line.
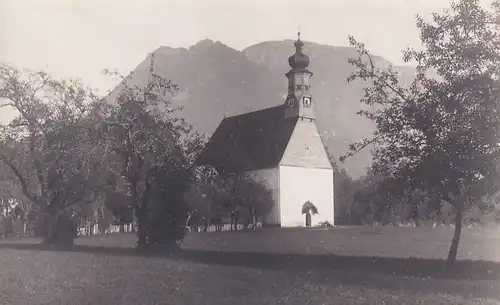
point(299, 101)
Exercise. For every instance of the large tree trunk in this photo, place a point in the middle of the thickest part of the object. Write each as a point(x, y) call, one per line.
point(452, 254)
point(204, 223)
point(140, 216)
point(61, 229)
point(51, 237)
point(142, 231)
point(142, 222)
point(254, 220)
point(51, 220)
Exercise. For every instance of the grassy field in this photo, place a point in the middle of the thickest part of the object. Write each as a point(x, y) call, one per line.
point(287, 266)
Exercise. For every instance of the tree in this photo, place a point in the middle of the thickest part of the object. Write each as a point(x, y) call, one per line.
point(344, 190)
point(214, 196)
point(167, 208)
point(47, 147)
point(348, 210)
point(144, 138)
point(441, 133)
point(372, 202)
point(385, 201)
point(12, 199)
point(251, 200)
point(208, 196)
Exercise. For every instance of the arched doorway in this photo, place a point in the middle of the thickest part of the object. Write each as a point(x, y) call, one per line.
point(309, 209)
point(308, 219)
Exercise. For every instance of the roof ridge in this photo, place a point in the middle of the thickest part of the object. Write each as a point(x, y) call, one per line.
point(253, 112)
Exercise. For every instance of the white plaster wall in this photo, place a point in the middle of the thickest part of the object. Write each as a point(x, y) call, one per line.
point(300, 184)
point(305, 147)
point(270, 178)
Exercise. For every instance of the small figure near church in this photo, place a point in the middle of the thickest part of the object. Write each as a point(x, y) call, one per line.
point(281, 148)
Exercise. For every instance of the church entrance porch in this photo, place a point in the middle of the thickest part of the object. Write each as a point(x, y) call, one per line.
point(309, 208)
point(308, 219)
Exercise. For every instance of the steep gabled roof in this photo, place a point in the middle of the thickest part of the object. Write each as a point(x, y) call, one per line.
point(251, 141)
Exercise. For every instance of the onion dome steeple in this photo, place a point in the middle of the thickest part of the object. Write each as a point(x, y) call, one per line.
point(299, 101)
point(299, 60)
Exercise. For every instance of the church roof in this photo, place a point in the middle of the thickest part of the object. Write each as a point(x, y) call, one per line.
point(251, 141)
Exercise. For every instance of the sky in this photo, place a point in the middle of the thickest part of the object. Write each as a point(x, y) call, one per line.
point(79, 38)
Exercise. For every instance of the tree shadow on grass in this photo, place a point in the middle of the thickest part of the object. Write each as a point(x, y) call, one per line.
point(408, 267)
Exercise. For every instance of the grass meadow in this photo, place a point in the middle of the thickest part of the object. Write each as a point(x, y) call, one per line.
point(341, 265)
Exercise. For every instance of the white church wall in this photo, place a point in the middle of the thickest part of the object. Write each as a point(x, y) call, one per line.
point(270, 178)
point(298, 185)
point(305, 148)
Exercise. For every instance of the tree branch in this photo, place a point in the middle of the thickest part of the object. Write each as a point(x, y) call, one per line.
point(36, 164)
point(7, 104)
point(372, 74)
point(360, 147)
point(20, 178)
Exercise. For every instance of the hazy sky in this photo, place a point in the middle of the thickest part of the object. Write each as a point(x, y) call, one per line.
point(78, 38)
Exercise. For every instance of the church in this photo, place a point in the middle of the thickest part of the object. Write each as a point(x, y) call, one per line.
point(281, 148)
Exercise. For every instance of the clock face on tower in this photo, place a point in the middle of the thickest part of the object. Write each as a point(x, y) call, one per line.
point(307, 101)
point(291, 102)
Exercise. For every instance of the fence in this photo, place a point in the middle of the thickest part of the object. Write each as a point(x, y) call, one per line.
point(95, 230)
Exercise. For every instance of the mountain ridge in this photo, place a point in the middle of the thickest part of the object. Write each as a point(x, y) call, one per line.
point(217, 81)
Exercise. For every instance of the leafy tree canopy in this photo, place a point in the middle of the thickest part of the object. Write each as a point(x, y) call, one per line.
point(440, 134)
point(49, 146)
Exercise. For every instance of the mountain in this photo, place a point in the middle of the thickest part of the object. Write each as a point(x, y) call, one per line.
point(217, 81)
